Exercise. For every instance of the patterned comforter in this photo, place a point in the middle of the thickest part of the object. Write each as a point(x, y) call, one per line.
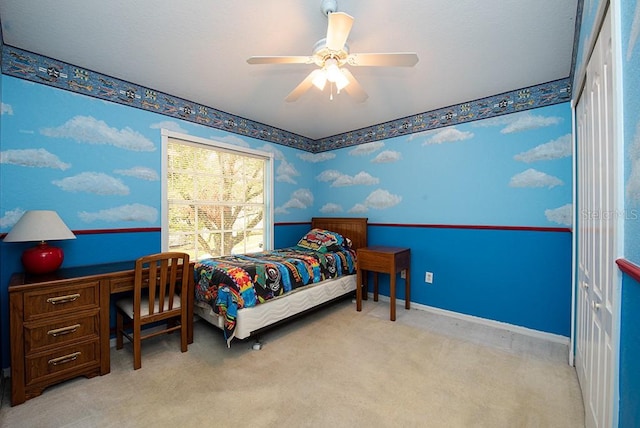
point(231, 283)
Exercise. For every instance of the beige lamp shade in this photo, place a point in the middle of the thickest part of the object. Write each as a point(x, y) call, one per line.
point(39, 225)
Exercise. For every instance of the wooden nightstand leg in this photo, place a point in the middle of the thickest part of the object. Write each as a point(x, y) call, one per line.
point(407, 291)
point(392, 296)
point(375, 286)
point(365, 285)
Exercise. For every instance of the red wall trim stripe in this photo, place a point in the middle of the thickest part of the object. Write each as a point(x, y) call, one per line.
point(105, 231)
point(475, 226)
point(293, 223)
point(454, 226)
point(629, 268)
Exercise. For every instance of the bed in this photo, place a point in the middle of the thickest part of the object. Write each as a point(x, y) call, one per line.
point(224, 296)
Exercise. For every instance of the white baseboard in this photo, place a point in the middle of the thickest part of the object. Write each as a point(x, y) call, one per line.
point(554, 338)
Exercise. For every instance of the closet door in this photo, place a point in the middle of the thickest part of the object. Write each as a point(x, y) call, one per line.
point(597, 223)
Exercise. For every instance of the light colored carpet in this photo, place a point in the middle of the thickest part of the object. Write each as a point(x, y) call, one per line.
point(334, 368)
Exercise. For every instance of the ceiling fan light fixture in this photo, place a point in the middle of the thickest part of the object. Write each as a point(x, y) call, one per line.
point(320, 80)
point(332, 71)
point(341, 80)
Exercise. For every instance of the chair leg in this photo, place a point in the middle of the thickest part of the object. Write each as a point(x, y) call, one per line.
point(137, 352)
point(183, 333)
point(119, 324)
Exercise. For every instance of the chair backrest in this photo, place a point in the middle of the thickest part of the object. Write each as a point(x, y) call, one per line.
point(162, 275)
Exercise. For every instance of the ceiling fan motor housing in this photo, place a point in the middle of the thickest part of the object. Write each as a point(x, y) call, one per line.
point(321, 53)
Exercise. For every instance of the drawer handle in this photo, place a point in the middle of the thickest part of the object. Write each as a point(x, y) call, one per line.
point(63, 299)
point(63, 330)
point(65, 359)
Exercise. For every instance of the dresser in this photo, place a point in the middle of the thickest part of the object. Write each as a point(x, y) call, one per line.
point(59, 324)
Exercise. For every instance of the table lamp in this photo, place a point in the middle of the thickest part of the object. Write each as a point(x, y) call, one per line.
point(40, 225)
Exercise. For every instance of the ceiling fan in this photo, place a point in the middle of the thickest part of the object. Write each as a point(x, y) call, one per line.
point(331, 54)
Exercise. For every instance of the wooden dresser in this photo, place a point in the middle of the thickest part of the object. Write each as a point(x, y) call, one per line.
point(59, 324)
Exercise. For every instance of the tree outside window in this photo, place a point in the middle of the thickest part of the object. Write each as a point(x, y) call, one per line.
point(216, 199)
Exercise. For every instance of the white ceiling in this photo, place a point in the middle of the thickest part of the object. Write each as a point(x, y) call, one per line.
point(197, 50)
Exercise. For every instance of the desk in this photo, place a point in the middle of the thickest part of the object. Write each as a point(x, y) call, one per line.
point(59, 324)
point(382, 259)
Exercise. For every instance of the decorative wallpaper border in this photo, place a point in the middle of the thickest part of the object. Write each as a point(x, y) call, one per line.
point(37, 68)
point(532, 97)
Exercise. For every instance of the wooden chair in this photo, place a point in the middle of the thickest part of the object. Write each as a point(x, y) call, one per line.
point(158, 280)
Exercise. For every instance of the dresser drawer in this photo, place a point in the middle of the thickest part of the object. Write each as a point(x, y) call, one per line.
point(62, 362)
point(59, 300)
point(118, 285)
point(62, 331)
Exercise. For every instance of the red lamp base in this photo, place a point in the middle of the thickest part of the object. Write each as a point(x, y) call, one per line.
point(42, 258)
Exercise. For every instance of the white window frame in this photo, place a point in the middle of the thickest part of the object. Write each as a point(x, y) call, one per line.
point(217, 145)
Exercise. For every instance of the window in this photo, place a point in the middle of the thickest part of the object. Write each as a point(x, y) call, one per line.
point(216, 197)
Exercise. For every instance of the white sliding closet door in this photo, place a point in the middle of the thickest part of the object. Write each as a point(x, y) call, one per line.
point(597, 211)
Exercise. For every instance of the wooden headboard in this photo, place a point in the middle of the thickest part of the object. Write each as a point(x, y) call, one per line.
point(354, 228)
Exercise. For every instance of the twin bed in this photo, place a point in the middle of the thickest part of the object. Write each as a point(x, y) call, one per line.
point(244, 294)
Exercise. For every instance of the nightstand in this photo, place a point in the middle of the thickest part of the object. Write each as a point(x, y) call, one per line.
point(381, 259)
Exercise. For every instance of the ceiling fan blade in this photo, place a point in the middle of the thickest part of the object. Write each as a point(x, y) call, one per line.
point(280, 60)
point(303, 86)
point(354, 89)
point(398, 59)
point(338, 30)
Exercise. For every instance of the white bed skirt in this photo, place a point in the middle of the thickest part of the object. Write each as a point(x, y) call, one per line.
point(265, 314)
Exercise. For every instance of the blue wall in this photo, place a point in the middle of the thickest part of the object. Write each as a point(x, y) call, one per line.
point(630, 354)
point(519, 277)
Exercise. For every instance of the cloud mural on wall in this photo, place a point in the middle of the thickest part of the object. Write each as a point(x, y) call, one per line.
point(518, 122)
point(534, 178)
point(277, 153)
point(562, 215)
point(339, 179)
point(446, 135)
point(387, 156)
point(11, 217)
point(6, 109)
point(555, 149)
point(36, 158)
point(361, 178)
point(128, 213)
point(300, 199)
point(366, 149)
point(140, 172)
point(286, 172)
point(527, 121)
point(169, 125)
point(358, 209)
point(331, 208)
point(381, 199)
point(378, 199)
point(93, 182)
point(86, 129)
point(316, 157)
point(633, 182)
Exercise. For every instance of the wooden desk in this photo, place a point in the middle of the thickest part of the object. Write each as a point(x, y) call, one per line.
point(60, 327)
point(383, 259)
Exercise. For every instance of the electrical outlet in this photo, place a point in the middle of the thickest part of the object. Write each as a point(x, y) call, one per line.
point(403, 274)
point(428, 277)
